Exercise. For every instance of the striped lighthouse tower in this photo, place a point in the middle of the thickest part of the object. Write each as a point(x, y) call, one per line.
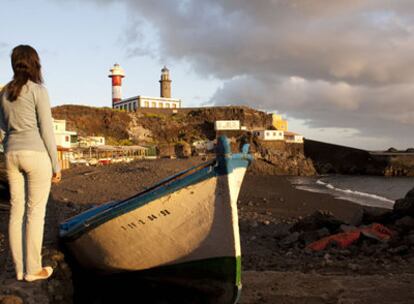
point(116, 73)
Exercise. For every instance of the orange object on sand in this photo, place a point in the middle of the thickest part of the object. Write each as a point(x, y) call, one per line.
point(378, 232)
point(345, 239)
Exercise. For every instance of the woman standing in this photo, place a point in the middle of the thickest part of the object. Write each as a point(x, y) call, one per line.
point(31, 160)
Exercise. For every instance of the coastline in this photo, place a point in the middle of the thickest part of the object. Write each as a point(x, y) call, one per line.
point(268, 207)
point(290, 202)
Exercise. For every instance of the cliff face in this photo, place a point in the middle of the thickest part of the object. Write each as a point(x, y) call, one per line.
point(397, 164)
point(106, 122)
point(156, 125)
point(280, 158)
point(329, 158)
point(173, 132)
point(188, 125)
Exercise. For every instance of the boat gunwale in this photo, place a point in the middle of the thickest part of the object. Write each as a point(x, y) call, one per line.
point(136, 201)
point(224, 164)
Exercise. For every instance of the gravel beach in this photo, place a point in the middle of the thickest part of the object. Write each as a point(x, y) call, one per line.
point(277, 267)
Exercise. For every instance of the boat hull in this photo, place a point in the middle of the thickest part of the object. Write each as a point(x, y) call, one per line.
point(183, 231)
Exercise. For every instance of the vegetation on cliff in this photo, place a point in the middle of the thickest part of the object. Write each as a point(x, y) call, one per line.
point(173, 132)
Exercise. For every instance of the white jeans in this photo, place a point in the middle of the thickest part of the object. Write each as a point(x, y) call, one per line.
point(29, 174)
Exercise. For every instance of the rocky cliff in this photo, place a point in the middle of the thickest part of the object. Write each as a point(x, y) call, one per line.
point(335, 159)
point(173, 131)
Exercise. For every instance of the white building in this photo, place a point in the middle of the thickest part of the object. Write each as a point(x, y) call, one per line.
point(91, 141)
point(291, 137)
point(133, 103)
point(206, 145)
point(64, 139)
point(227, 125)
point(269, 134)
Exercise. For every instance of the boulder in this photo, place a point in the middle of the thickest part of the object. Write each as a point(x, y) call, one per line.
point(10, 299)
point(318, 220)
point(410, 194)
point(404, 206)
point(310, 236)
point(376, 215)
point(290, 239)
point(405, 223)
point(410, 239)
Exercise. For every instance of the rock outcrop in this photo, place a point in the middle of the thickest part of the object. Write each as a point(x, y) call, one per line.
point(173, 132)
point(281, 162)
point(335, 159)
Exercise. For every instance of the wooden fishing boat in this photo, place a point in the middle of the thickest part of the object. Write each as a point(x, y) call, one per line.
point(185, 228)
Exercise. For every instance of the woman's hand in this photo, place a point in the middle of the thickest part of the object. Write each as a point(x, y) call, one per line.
point(56, 178)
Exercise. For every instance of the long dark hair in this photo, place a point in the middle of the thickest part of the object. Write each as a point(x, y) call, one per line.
point(26, 66)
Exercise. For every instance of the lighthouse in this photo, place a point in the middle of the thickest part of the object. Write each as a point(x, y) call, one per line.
point(116, 73)
point(134, 103)
point(165, 83)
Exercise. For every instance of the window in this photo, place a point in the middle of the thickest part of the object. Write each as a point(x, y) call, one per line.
point(67, 138)
point(153, 104)
point(174, 105)
point(161, 105)
point(167, 105)
point(135, 105)
point(130, 106)
point(147, 104)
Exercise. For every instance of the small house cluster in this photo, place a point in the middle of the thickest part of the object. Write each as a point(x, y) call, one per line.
point(92, 150)
point(278, 130)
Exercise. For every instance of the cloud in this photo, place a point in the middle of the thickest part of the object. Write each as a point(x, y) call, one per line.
point(374, 111)
point(332, 63)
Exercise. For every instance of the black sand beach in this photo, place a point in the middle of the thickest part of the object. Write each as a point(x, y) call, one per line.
point(276, 267)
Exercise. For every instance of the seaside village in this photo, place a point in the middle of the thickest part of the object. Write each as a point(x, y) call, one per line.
point(92, 150)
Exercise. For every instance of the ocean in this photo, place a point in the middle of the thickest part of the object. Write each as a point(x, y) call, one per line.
point(375, 191)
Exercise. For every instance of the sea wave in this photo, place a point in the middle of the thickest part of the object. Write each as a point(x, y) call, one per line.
point(354, 192)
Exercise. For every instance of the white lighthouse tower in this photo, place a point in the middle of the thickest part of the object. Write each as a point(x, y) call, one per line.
point(116, 73)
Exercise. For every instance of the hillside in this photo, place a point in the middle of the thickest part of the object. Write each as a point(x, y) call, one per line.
point(155, 125)
point(173, 131)
point(94, 121)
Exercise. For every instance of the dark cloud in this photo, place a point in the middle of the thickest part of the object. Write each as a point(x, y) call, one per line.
point(343, 63)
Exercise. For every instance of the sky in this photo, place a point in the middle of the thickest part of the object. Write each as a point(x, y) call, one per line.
point(339, 71)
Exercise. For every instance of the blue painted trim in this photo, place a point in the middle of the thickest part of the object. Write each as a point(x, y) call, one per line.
point(224, 164)
point(83, 223)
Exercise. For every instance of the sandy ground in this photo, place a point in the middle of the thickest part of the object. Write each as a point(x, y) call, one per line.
point(300, 288)
point(276, 269)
